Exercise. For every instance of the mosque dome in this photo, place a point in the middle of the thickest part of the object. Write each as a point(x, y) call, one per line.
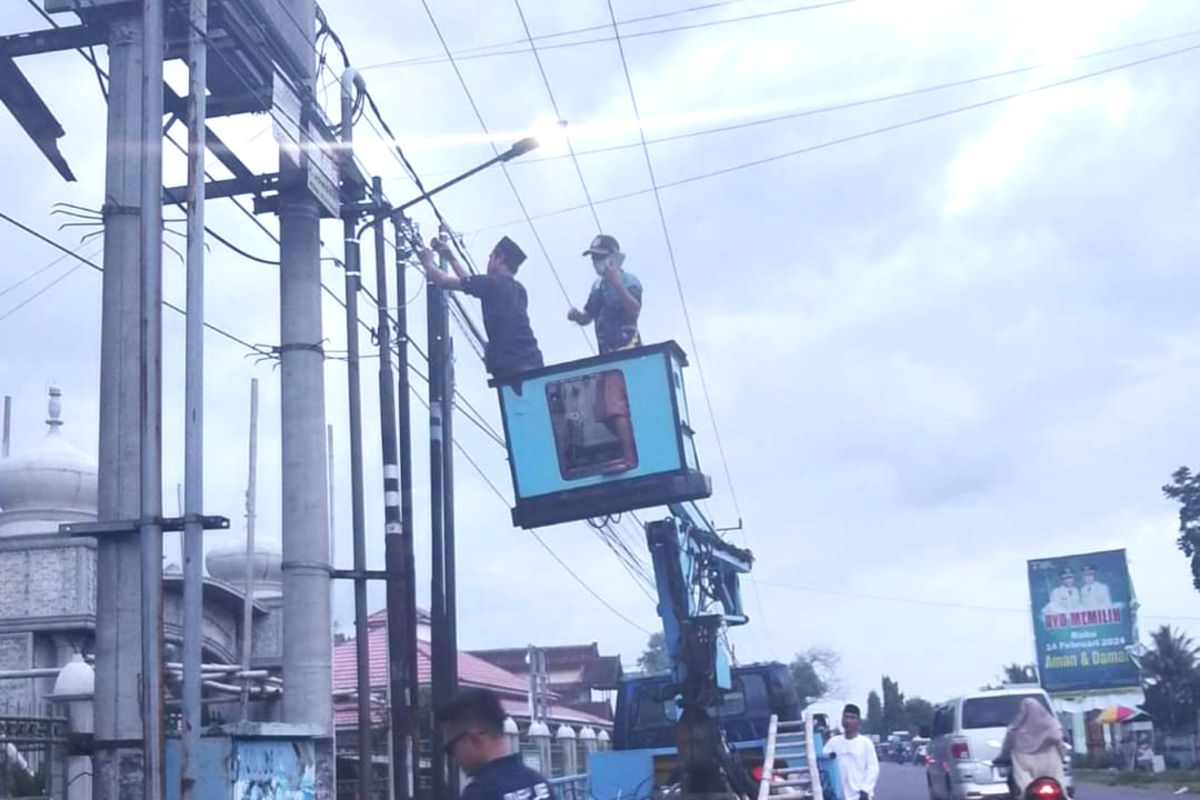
point(227, 562)
point(51, 483)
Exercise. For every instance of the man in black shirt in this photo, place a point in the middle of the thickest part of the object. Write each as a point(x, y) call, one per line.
point(511, 347)
point(473, 735)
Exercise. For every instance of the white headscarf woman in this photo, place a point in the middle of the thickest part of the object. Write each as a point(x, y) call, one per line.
point(1035, 745)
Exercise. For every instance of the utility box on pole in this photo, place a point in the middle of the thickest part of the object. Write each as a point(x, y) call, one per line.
point(286, 762)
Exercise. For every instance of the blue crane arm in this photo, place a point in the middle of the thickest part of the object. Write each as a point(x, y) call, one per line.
point(697, 574)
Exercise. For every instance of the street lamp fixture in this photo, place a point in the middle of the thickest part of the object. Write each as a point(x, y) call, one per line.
point(518, 149)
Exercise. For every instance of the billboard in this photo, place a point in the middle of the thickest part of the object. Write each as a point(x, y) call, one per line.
point(1084, 622)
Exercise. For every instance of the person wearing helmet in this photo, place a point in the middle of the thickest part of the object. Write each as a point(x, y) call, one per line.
point(614, 305)
point(615, 301)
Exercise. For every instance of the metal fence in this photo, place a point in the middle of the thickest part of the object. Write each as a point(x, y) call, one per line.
point(570, 787)
point(32, 754)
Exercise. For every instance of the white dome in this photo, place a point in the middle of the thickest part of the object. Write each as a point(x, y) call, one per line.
point(227, 562)
point(510, 727)
point(75, 679)
point(587, 734)
point(51, 483)
point(539, 729)
point(565, 732)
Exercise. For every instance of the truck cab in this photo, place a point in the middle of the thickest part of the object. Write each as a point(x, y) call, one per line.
point(646, 709)
point(644, 757)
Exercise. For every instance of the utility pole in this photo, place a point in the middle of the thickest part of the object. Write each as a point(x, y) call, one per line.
point(353, 269)
point(399, 552)
point(251, 519)
point(193, 496)
point(440, 668)
point(128, 574)
point(397, 613)
point(307, 653)
point(150, 417)
point(441, 491)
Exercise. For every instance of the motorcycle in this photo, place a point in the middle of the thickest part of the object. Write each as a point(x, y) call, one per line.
point(1038, 789)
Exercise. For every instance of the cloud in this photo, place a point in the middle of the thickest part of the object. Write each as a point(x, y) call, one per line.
point(932, 353)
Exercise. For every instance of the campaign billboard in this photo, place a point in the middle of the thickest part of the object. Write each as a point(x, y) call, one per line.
point(1084, 622)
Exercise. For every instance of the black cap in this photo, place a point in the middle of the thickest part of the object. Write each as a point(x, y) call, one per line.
point(1089, 568)
point(513, 255)
point(851, 709)
point(1066, 573)
point(603, 245)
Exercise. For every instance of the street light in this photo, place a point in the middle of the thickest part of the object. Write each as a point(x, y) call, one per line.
point(518, 149)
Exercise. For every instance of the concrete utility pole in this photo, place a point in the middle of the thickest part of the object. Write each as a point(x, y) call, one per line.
point(127, 759)
point(307, 651)
point(150, 421)
point(193, 491)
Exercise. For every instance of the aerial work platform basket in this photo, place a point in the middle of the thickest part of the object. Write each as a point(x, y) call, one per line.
point(600, 436)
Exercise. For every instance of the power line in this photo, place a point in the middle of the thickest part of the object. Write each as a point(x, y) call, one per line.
point(39, 271)
point(558, 115)
point(436, 58)
point(503, 167)
point(470, 55)
point(662, 218)
point(861, 135)
point(809, 112)
point(934, 603)
point(17, 223)
point(42, 290)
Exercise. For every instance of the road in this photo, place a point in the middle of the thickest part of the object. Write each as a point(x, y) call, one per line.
point(898, 782)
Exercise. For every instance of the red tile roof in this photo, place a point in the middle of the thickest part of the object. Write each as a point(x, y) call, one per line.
point(472, 671)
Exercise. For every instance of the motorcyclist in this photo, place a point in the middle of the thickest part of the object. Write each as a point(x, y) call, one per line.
point(1034, 745)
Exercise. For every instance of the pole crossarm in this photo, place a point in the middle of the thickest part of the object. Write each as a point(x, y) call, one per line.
point(52, 40)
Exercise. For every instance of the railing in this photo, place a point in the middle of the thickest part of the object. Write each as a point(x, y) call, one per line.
point(570, 787)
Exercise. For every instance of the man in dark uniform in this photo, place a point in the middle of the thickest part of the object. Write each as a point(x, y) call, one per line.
point(473, 735)
point(511, 346)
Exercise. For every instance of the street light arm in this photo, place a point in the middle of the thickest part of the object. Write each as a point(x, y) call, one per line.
point(519, 149)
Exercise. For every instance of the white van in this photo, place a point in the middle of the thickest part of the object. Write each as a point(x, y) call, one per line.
point(967, 734)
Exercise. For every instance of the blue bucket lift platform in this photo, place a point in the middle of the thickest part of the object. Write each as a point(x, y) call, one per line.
point(565, 441)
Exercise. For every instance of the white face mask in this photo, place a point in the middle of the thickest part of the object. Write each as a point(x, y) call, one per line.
point(615, 259)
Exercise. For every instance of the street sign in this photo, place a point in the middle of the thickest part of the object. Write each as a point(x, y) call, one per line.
point(321, 171)
point(285, 118)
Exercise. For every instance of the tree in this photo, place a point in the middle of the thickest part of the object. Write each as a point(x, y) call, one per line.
point(815, 673)
point(919, 713)
point(655, 658)
point(1185, 488)
point(1172, 680)
point(874, 721)
point(893, 707)
point(1020, 673)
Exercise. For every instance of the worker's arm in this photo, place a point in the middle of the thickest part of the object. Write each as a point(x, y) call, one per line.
point(590, 309)
point(631, 303)
point(436, 276)
point(443, 249)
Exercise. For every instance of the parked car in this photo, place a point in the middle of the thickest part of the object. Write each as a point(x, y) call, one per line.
point(967, 735)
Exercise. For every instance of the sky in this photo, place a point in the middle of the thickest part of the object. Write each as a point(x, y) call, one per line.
point(935, 345)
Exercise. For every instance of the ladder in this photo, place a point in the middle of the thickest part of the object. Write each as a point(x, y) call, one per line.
point(790, 741)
